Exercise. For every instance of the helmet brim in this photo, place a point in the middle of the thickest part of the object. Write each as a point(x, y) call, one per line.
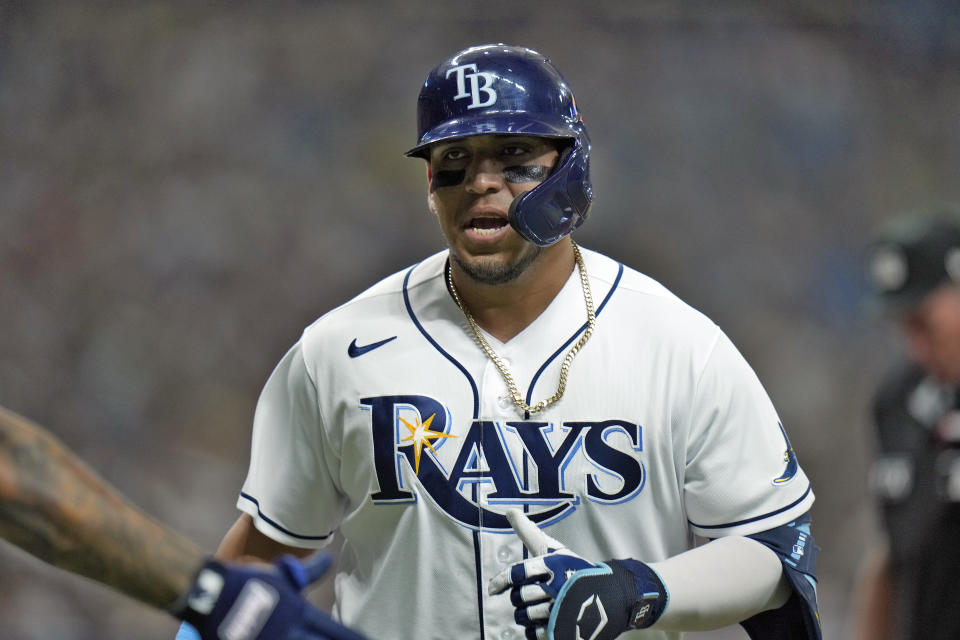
point(494, 123)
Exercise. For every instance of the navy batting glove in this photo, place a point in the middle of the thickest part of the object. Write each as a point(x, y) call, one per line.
point(247, 602)
point(557, 595)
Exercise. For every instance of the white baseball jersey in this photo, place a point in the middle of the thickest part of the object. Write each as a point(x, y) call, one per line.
point(388, 423)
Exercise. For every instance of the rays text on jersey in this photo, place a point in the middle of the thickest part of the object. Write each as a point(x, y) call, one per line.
point(492, 465)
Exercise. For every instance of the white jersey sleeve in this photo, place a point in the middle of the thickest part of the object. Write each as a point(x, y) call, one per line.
point(292, 470)
point(738, 459)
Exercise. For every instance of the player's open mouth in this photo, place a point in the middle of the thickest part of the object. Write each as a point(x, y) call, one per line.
point(486, 226)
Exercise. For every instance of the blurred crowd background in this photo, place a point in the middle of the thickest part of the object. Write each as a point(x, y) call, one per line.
point(184, 186)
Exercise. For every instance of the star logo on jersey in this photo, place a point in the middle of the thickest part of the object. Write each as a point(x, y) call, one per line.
point(420, 435)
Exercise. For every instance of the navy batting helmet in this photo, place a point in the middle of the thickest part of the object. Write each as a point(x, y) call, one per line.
point(499, 89)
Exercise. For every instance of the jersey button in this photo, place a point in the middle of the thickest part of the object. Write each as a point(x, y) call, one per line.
point(508, 634)
point(505, 402)
point(504, 554)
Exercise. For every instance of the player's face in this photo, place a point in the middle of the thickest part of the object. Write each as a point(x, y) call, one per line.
point(472, 183)
point(932, 332)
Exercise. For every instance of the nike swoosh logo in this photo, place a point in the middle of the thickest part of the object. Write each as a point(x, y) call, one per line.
point(355, 351)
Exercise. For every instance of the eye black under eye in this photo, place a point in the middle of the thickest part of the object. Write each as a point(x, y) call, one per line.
point(526, 173)
point(448, 178)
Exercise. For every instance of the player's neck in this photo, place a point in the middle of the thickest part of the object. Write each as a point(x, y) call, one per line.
point(504, 310)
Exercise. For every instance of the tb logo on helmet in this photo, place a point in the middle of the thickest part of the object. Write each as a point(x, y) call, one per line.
point(477, 90)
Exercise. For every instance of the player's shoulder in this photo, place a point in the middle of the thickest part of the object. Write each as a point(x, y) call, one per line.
point(632, 283)
point(380, 304)
point(646, 302)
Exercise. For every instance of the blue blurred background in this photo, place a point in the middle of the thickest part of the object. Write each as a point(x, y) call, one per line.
point(184, 186)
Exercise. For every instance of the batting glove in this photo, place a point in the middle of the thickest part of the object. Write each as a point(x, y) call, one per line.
point(247, 602)
point(557, 595)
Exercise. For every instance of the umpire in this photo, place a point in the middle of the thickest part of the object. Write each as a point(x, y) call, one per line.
point(910, 589)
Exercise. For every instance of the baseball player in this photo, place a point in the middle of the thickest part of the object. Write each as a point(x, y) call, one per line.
point(909, 588)
point(55, 507)
point(518, 436)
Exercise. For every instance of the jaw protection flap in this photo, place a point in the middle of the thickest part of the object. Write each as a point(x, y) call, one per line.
point(559, 204)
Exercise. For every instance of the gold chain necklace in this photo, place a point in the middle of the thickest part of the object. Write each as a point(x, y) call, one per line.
point(564, 366)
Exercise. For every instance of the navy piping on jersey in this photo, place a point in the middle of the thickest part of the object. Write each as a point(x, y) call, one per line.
point(276, 525)
point(476, 414)
point(413, 317)
point(749, 520)
point(566, 344)
point(536, 376)
point(526, 415)
point(477, 563)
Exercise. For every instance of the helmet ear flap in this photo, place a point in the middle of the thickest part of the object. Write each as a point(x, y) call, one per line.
point(559, 204)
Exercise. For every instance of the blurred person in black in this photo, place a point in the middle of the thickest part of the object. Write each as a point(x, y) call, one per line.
point(909, 586)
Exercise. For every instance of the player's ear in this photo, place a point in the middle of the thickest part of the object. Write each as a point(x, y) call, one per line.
point(431, 196)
